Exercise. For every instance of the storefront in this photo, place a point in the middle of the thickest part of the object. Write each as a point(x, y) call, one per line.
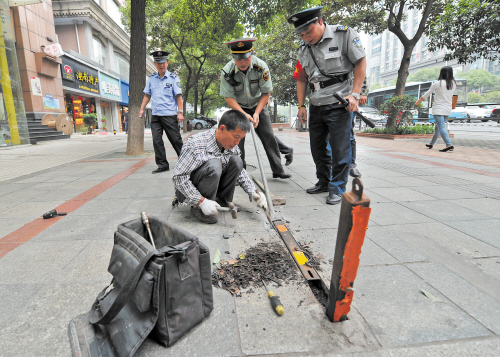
point(81, 89)
point(13, 123)
point(110, 97)
point(124, 86)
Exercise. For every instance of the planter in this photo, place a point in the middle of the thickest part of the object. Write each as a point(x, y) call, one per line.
point(399, 137)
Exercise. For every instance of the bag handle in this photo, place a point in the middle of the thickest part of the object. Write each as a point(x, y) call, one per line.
point(123, 296)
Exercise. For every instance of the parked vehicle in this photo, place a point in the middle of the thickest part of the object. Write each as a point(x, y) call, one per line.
point(466, 114)
point(202, 123)
point(495, 113)
point(372, 113)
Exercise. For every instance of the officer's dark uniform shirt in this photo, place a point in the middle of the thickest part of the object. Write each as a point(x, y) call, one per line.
point(256, 82)
point(336, 53)
point(163, 92)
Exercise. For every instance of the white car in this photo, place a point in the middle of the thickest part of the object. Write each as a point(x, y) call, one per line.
point(371, 113)
point(471, 112)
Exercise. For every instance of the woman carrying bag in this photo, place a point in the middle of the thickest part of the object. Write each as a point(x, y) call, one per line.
point(442, 106)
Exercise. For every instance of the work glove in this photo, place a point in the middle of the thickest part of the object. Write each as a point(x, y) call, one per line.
point(260, 198)
point(209, 207)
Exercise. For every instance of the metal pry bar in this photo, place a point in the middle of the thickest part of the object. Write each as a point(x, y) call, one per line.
point(145, 221)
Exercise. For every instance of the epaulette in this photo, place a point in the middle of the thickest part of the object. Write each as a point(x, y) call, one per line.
point(152, 74)
point(173, 75)
point(258, 68)
point(342, 28)
point(302, 44)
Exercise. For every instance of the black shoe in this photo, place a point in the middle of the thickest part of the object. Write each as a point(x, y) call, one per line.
point(202, 217)
point(333, 199)
point(429, 146)
point(160, 169)
point(318, 188)
point(289, 158)
point(281, 175)
point(354, 172)
point(449, 148)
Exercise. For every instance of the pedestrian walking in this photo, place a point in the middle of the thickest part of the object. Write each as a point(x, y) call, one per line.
point(125, 120)
point(331, 59)
point(246, 85)
point(441, 108)
point(210, 166)
point(164, 88)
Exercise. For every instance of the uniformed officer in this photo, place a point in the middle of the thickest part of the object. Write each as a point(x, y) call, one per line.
point(331, 59)
point(164, 88)
point(246, 85)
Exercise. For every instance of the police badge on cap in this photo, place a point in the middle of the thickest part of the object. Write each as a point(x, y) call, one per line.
point(241, 48)
point(160, 56)
point(305, 17)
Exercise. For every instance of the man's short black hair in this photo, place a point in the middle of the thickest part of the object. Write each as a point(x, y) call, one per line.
point(233, 119)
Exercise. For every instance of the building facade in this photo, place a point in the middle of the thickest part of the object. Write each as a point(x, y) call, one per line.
point(96, 45)
point(385, 51)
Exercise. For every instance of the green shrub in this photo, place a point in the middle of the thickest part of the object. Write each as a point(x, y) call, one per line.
point(403, 130)
point(90, 120)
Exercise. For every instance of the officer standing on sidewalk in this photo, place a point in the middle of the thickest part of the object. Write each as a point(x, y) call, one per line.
point(326, 59)
point(246, 85)
point(164, 88)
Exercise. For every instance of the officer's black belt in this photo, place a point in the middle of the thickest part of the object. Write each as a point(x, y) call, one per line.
point(336, 79)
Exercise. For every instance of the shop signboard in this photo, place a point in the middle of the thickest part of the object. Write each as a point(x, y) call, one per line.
point(49, 102)
point(125, 88)
point(110, 87)
point(79, 76)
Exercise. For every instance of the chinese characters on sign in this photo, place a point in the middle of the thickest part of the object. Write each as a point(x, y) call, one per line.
point(110, 88)
point(54, 50)
point(77, 75)
point(82, 76)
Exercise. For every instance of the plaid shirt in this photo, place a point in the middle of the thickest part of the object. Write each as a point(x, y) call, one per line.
point(197, 150)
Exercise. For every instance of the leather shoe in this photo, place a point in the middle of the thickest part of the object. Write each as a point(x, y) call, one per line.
point(202, 217)
point(333, 199)
point(354, 172)
point(289, 158)
point(318, 188)
point(281, 175)
point(160, 169)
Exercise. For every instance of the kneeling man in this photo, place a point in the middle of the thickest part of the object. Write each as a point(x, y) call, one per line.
point(210, 166)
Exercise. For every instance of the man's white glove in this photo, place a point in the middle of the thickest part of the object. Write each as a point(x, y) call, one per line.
point(260, 198)
point(209, 207)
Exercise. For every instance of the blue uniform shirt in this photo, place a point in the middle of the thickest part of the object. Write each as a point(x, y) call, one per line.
point(163, 92)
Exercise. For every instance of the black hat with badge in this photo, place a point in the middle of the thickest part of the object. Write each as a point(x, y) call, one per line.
point(160, 56)
point(241, 48)
point(305, 17)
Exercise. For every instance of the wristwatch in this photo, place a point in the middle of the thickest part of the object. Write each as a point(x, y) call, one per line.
point(302, 106)
point(179, 112)
point(356, 95)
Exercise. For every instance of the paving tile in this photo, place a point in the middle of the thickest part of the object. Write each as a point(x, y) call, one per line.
point(486, 347)
point(14, 298)
point(487, 206)
point(410, 181)
point(485, 230)
point(445, 192)
point(407, 316)
point(489, 265)
point(394, 213)
point(401, 194)
point(473, 301)
point(374, 182)
point(30, 210)
point(109, 206)
point(315, 217)
point(443, 211)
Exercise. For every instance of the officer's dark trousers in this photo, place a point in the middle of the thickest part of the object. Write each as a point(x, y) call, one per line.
point(170, 125)
point(331, 119)
point(285, 150)
point(214, 181)
point(266, 135)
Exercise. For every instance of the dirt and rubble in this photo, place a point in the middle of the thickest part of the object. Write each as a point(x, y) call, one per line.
point(268, 261)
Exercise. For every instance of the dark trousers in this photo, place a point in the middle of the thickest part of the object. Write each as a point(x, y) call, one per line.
point(214, 181)
point(285, 150)
point(266, 135)
point(334, 120)
point(170, 125)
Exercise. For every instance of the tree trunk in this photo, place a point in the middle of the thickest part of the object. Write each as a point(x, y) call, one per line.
point(275, 111)
point(135, 138)
point(196, 99)
point(202, 109)
point(401, 82)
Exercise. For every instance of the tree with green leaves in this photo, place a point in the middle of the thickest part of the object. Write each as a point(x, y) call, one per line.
point(479, 79)
point(375, 16)
point(468, 29)
point(425, 74)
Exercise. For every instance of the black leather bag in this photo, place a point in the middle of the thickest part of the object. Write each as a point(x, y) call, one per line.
point(165, 292)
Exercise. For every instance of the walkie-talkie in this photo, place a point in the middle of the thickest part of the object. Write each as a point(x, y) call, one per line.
point(230, 79)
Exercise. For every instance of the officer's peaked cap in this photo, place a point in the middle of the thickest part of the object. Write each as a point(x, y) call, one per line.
point(241, 48)
point(160, 56)
point(305, 17)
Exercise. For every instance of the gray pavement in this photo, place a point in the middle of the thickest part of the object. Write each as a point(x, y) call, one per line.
point(432, 227)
